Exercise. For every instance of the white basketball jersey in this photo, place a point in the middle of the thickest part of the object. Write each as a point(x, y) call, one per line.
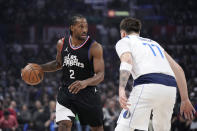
point(147, 55)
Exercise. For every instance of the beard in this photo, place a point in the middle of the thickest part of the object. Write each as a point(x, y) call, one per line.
point(81, 36)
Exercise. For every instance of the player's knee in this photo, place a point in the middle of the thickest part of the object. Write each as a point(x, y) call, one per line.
point(65, 124)
point(97, 128)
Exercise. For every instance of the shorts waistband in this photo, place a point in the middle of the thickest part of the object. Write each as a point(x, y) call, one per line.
point(155, 78)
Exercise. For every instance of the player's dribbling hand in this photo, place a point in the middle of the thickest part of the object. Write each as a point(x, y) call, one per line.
point(187, 109)
point(76, 86)
point(123, 99)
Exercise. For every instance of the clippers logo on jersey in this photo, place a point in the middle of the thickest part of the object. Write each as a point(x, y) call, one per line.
point(71, 60)
point(66, 49)
point(126, 114)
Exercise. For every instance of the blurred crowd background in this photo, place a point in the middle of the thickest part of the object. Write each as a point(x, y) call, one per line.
point(29, 30)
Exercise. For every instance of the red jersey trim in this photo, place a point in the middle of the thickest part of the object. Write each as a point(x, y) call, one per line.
point(75, 48)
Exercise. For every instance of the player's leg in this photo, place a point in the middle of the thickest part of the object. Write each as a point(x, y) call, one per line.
point(94, 118)
point(89, 110)
point(64, 118)
point(138, 116)
point(64, 125)
point(97, 128)
point(162, 118)
point(162, 112)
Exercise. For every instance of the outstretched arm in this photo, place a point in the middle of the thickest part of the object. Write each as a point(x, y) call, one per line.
point(96, 52)
point(186, 107)
point(55, 64)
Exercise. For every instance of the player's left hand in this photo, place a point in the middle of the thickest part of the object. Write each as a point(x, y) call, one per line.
point(76, 86)
point(187, 109)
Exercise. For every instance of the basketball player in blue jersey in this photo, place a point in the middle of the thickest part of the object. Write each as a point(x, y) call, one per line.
point(81, 60)
point(156, 78)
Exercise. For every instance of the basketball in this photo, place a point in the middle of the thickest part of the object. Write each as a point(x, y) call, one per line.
point(32, 74)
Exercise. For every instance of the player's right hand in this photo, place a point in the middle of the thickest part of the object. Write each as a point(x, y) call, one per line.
point(76, 86)
point(187, 109)
point(123, 99)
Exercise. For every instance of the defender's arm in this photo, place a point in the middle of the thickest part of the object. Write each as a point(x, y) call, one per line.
point(125, 71)
point(186, 106)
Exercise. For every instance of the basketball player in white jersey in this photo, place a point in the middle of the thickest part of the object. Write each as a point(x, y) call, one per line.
point(156, 78)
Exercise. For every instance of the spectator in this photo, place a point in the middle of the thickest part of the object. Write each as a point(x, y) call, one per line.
point(12, 108)
point(39, 117)
point(50, 123)
point(24, 116)
point(8, 121)
point(193, 125)
point(110, 115)
point(1, 109)
point(182, 124)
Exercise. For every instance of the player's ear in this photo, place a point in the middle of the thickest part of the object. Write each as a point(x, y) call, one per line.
point(123, 33)
point(71, 28)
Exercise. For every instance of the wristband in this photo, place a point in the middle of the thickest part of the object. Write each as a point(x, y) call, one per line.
point(125, 66)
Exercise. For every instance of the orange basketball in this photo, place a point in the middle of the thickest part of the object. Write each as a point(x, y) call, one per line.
point(32, 74)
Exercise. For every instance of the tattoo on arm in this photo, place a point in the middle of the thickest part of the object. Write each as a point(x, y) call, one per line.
point(124, 76)
point(51, 66)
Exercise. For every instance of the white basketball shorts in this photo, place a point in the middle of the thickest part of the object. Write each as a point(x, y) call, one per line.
point(62, 113)
point(146, 98)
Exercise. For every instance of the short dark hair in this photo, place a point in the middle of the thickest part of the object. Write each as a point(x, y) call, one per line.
point(130, 25)
point(73, 20)
point(6, 113)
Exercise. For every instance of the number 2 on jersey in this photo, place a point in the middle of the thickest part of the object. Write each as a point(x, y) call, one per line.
point(151, 47)
point(72, 72)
